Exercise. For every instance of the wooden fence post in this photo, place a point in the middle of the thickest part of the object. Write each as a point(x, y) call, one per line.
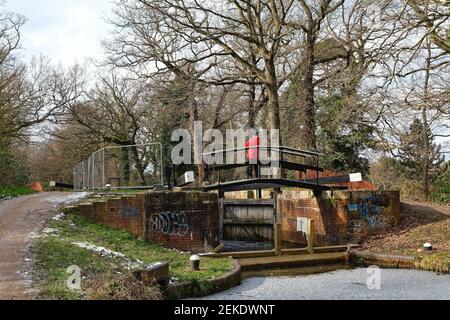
point(221, 217)
point(310, 236)
point(278, 239)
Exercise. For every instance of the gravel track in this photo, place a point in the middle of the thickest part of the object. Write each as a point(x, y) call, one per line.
point(21, 219)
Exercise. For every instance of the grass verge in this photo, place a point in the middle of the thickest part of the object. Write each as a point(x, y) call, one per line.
point(106, 277)
point(6, 192)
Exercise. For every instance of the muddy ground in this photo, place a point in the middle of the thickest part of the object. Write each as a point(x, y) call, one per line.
point(426, 222)
point(21, 219)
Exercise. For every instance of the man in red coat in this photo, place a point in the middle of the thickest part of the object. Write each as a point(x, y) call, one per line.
point(252, 156)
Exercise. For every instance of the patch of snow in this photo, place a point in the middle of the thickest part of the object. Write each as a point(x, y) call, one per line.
point(100, 250)
point(3, 197)
point(130, 265)
point(59, 217)
point(33, 235)
point(73, 225)
point(69, 198)
point(154, 265)
point(104, 252)
point(50, 231)
point(180, 251)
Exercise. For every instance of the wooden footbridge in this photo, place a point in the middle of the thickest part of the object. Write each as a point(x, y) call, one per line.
point(271, 174)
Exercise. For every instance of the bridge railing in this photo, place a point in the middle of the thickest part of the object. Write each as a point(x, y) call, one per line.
point(280, 158)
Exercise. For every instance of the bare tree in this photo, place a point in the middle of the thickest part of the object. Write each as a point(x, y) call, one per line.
point(166, 41)
point(114, 112)
point(313, 15)
point(434, 16)
point(35, 94)
point(10, 25)
point(431, 104)
point(30, 94)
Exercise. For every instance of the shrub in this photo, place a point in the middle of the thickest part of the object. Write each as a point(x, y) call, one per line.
point(441, 188)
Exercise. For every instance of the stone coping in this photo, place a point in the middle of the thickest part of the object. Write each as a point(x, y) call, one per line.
point(390, 261)
point(186, 290)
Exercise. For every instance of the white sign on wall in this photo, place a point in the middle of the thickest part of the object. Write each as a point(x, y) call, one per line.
point(355, 177)
point(302, 224)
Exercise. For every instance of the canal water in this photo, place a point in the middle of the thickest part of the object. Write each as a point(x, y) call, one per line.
point(340, 283)
point(237, 246)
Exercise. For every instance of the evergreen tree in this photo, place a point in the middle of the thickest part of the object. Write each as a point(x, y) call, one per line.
point(441, 187)
point(343, 136)
point(414, 156)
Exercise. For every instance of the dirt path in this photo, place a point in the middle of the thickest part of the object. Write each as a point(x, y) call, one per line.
point(20, 218)
point(428, 207)
point(422, 222)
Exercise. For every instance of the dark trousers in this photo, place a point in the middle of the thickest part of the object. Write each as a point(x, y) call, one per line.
point(250, 169)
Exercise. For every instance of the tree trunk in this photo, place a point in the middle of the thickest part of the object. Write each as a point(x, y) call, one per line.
point(125, 167)
point(251, 108)
point(272, 93)
point(425, 129)
point(426, 156)
point(194, 117)
point(307, 104)
point(140, 168)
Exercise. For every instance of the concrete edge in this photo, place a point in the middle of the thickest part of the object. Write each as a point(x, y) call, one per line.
point(188, 290)
point(367, 258)
point(312, 260)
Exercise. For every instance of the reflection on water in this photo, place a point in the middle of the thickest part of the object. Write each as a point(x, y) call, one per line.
point(293, 272)
point(239, 246)
point(236, 246)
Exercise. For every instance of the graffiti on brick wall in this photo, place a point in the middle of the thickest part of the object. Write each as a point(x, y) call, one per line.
point(374, 204)
point(373, 219)
point(360, 227)
point(129, 211)
point(170, 223)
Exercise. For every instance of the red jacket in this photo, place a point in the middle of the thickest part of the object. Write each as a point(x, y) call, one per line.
point(252, 154)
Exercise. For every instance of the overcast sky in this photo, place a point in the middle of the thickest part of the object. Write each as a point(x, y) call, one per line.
point(67, 31)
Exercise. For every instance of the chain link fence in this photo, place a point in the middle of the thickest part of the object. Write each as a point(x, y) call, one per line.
point(121, 167)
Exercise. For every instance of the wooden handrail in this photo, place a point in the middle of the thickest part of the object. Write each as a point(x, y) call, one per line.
point(286, 150)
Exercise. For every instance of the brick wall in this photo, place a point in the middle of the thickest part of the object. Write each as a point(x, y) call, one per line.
point(124, 213)
point(330, 220)
point(339, 216)
point(189, 221)
point(182, 220)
